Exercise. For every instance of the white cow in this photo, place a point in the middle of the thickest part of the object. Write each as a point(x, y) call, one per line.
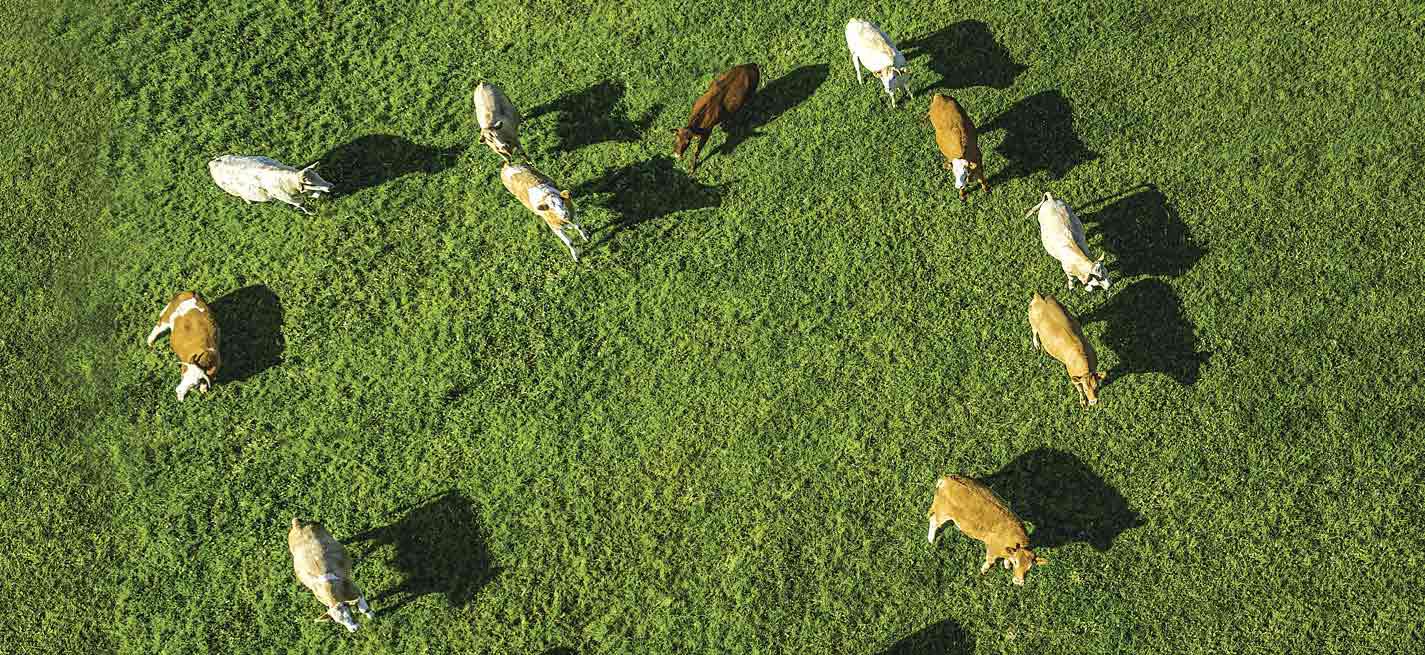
point(870, 47)
point(499, 121)
point(260, 179)
point(322, 566)
point(1063, 237)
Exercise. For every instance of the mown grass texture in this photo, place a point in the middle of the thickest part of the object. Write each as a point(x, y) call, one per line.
point(718, 432)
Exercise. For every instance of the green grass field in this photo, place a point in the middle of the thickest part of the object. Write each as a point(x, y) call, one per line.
point(719, 432)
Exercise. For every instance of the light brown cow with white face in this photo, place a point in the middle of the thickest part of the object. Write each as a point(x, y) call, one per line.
point(323, 567)
point(1057, 331)
point(539, 194)
point(981, 515)
point(195, 340)
point(959, 143)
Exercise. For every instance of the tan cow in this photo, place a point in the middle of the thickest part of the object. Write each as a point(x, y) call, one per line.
point(539, 194)
point(981, 515)
point(956, 136)
point(1055, 330)
point(323, 567)
point(195, 340)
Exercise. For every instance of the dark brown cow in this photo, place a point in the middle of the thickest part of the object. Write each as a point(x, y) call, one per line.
point(955, 134)
point(727, 94)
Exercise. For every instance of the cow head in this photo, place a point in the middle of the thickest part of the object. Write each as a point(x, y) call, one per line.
point(1019, 558)
point(491, 137)
point(312, 183)
point(193, 376)
point(1087, 385)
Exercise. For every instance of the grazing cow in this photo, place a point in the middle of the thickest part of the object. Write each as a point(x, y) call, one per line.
point(1063, 237)
point(955, 134)
point(870, 47)
point(260, 179)
point(981, 515)
point(539, 194)
point(499, 121)
point(195, 340)
point(1055, 330)
point(323, 567)
point(724, 97)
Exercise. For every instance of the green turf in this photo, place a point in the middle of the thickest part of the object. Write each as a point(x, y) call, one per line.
point(719, 432)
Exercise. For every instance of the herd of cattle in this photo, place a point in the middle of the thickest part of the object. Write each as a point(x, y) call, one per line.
point(321, 562)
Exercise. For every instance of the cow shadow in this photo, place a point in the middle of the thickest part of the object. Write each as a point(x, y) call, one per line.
point(560, 651)
point(1148, 331)
point(1039, 136)
point(943, 638)
point(376, 159)
point(1064, 500)
point(773, 100)
point(440, 549)
point(1145, 234)
point(649, 190)
point(966, 54)
point(594, 115)
point(251, 341)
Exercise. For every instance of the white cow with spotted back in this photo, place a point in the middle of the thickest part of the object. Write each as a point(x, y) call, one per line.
point(260, 179)
point(870, 47)
point(539, 194)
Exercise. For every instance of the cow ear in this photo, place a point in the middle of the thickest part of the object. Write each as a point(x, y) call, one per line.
point(564, 194)
point(1100, 375)
point(1040, 561)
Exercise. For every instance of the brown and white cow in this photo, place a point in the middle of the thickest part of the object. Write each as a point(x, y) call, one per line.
point(540, 195)
point(195, 340)
point(1057, 331)
point(955, 135)
point(982, 515)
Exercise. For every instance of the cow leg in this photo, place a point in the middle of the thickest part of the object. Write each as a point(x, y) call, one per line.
point(567, 242)
point(361, 605)
point(1034, 337)
point(984, 185)
point(989, 561)
point(856, 66)
point(585, 237)
point(165, 319)
point(697, 152)
point(292, 201)
point(158, 331)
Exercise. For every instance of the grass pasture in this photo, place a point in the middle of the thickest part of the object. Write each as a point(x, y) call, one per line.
point(718, 433)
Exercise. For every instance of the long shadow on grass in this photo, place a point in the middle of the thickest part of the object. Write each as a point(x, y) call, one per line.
point(594, 115)
point(1039, 136)
point(966, 54)
point(440, 548)
point(250, 321)
point(560, 651)
point(376, 159)
point(649, 190)
point(1148, 331)
point(1063, 499)
point(772, 101)
point(943, 638)
point(1145, 234)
